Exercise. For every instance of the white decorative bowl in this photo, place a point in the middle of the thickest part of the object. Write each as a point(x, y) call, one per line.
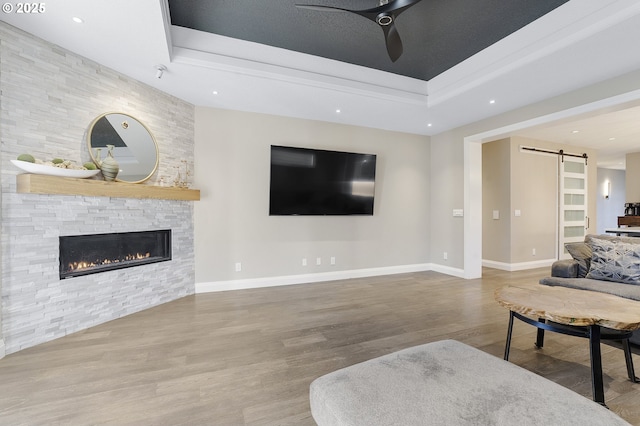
point(41, 169)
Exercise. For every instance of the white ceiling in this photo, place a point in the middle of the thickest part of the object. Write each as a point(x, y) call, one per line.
point(612, 134)
point(580, 43)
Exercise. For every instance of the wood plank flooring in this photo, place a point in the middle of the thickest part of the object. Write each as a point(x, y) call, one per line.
point(247, 357)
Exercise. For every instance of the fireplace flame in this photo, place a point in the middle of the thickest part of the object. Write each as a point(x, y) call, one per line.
point(76, 266)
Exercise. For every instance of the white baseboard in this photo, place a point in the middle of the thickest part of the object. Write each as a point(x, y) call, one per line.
point(448, 270)
point(2, 349)
point(511, 267)
point(309, 278)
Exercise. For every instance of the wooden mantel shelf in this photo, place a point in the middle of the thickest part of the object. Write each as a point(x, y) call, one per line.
point(28, 183)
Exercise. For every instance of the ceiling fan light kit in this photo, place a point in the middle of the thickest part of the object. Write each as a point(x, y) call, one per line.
point(384, 15)
point(384, 19)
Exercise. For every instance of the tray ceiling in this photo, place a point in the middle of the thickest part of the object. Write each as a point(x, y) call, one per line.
point(436, 34)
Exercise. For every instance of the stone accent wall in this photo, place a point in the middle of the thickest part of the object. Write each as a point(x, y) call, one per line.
point(48, 98)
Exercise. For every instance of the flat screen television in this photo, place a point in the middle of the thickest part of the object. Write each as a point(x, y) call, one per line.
point(318, 182)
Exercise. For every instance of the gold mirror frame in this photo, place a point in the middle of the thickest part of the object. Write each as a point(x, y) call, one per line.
point(135, 145)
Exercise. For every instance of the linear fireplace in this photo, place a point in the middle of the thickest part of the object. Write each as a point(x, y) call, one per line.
point(90, 254)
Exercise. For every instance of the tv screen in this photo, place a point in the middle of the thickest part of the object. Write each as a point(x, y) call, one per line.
point(318, 182)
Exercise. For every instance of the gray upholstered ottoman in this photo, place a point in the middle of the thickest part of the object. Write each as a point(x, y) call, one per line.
point(448, 383)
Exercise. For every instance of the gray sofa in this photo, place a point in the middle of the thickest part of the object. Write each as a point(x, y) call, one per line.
point(604, 263)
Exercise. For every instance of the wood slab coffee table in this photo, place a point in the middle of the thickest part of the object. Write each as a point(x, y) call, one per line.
point(583, 313)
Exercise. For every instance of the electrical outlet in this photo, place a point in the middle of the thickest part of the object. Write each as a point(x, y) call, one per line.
point(318, 261)
point(533, 252)
point(445, 256)
point(304, 261)
point(238, 267)
point(333, 260)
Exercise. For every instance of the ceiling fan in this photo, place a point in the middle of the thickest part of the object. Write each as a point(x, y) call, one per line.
point(384, 15)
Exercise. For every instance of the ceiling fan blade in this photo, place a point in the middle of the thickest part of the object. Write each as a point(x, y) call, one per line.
point(383, 15)
point(392, 39)
point(393, 8)
point(322, 8)
point(396, 7)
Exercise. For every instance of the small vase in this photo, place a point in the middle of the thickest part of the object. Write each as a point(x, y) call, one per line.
point(98, 157)
point(109, 166)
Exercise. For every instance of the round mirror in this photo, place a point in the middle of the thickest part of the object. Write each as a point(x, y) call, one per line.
point(135, 148)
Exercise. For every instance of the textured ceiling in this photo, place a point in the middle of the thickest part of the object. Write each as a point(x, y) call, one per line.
point(436, 34)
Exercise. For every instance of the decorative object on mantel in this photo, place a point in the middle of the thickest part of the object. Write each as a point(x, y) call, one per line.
point(109, 165)
point(44, 169)
point(98, 157)
point(182, 181)
point(135, 148)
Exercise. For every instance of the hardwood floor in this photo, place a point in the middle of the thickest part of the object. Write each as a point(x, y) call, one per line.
point(247, 357)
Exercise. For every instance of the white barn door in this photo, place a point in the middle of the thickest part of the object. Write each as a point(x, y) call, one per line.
point(573, 219)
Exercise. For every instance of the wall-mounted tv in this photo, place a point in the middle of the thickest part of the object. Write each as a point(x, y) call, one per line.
point(318, 182)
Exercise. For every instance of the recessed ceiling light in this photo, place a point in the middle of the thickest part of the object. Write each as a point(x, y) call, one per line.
point(492, 101)
point(429, 124)
point(575, 131)
point(77, 20)
point(338, 111)
point(215, 92)
point(612, 139)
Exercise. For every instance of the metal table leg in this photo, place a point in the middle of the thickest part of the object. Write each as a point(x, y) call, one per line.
point(629, 360)
point(596, 364)
point(540, 335)
point(509, 332)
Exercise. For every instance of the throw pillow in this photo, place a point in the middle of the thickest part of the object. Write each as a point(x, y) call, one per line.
point(612, 238)
point(615, 261)
point(581, 253)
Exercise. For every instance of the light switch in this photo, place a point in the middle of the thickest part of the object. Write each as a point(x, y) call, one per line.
point(496, 214)
point(458, 212)
point(517, 213)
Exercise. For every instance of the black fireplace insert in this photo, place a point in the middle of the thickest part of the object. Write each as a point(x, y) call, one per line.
point(90, 254)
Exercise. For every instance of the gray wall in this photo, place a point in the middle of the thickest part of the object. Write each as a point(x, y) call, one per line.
point(496, 196)
point(447, 172)
point(610, 208)
point(233, 223)
point(632, 187)
point(48, 98)
point(534, 192)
